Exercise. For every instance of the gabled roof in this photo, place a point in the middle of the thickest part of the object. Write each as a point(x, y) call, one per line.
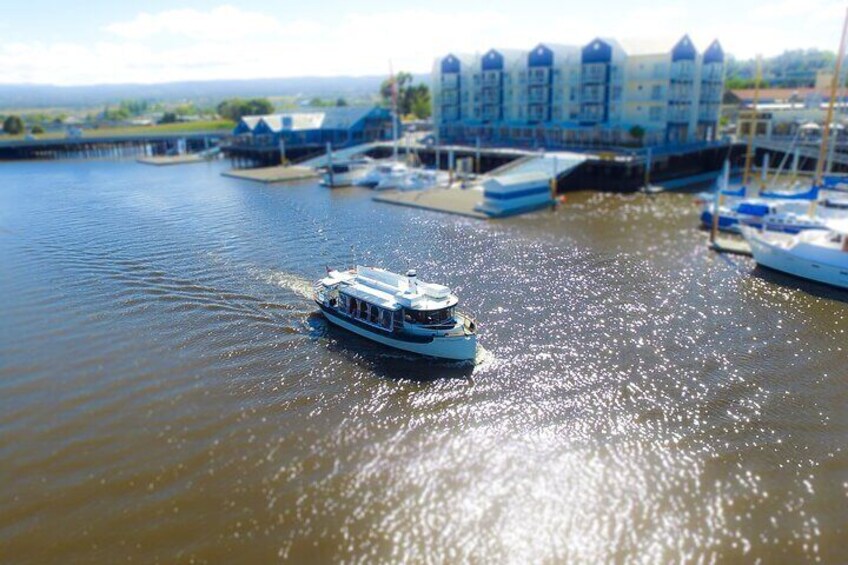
point(312, 119)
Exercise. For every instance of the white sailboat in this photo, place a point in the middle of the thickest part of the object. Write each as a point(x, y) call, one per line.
point(813, 254)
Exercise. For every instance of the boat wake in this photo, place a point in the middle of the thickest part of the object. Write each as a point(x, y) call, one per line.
point(294, 283)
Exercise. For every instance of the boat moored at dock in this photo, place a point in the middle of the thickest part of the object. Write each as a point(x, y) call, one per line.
point(346, 173)
point(398, 311)
point(814, 254)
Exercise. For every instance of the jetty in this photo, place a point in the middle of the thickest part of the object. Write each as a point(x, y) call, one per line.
point(449, 200)
point(268, 175)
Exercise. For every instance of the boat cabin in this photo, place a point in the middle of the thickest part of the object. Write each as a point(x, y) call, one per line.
point(388, 301)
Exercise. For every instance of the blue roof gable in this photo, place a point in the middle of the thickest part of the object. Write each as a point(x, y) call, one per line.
point(684, 50)
point(597, 51)
point(714, 53)
point(493, 61)
point(450, 64)
point(540, 56)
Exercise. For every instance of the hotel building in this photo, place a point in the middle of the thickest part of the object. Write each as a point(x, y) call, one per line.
point(591, 95)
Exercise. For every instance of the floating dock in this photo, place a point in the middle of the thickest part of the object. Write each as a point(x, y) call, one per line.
point(167, 160)
point(731, 246)
point(269, 175)
point(449, 200)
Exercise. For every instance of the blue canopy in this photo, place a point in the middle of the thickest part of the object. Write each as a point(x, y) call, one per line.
point(835, 182)
point(753, 209)
point(811, 194)
point(737, 192)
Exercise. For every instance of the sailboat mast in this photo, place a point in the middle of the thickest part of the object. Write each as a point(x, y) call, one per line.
point(834, 82)
point(393, 81)
point(749, 151)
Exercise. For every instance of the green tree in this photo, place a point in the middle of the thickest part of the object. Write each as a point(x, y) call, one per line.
point(36, 129)
point(420, 104)
point(13, 125)
point(168, 118)
point(340, 102)
point(188, 109)
point(235, 108)
point(637, 133)
point(402, 80)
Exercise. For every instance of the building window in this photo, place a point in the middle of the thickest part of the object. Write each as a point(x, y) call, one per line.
point(656, 92)
point(655, 114)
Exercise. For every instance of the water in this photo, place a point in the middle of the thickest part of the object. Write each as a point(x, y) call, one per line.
point(169, 394)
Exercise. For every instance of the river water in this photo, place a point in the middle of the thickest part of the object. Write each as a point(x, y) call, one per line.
point(168, 392)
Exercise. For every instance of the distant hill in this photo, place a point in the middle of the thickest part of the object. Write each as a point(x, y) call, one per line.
point(201, 92)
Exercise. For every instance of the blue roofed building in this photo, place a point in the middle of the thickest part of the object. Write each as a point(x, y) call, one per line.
point(596, 94)
point(314, 128)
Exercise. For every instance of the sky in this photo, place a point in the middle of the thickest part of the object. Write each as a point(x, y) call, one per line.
point(103, 41)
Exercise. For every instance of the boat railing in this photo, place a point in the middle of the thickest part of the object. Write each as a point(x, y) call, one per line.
point(469, 320)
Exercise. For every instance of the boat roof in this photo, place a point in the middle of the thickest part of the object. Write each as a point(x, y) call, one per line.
point(390, 290)
point(840, 226)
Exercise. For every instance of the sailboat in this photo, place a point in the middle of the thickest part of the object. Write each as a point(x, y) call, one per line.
point(815, 255)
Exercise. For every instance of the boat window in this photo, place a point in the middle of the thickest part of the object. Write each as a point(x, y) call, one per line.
point(430, 317)
point(353, 306)
point(375, 315)
point(386, 320)
point(363, 310)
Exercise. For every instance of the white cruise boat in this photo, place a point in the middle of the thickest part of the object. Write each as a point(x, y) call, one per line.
point(813, 254)
point(384, 176)
point(398, 311)
point(346, 173)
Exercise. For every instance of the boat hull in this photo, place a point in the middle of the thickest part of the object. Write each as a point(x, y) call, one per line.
point(778, 259)
point(456, 348)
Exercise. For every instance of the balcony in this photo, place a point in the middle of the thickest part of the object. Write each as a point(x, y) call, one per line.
point(539, 77)
point(450, 81)
point(537, 115)
point(538, 96)
point(591, 74)
point(491, 78)
point(682, 72)
point(679, 113)
point(491, 113)
point(592, 95)
point(490, 94)
point(450, 97)
point(680, 92)
point(450, 114)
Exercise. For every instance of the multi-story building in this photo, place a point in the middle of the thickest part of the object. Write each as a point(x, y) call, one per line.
point(560, 95)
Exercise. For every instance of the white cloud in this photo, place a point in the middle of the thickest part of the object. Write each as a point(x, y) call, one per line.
point(229, 42)
point(223, 23)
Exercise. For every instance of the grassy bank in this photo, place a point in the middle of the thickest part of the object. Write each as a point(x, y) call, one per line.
point(222, 126)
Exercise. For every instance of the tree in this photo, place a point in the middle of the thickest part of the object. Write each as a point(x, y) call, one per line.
point(401, 80)
point(235, 108)
point(36, 129)
point(419, 101)
point(411, 99)
point(341, 102)
point(168, 118)
point(13, 125)
point(637, 133)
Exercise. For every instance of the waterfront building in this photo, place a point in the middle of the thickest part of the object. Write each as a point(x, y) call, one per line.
point(344, 126)
point(598, 94)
